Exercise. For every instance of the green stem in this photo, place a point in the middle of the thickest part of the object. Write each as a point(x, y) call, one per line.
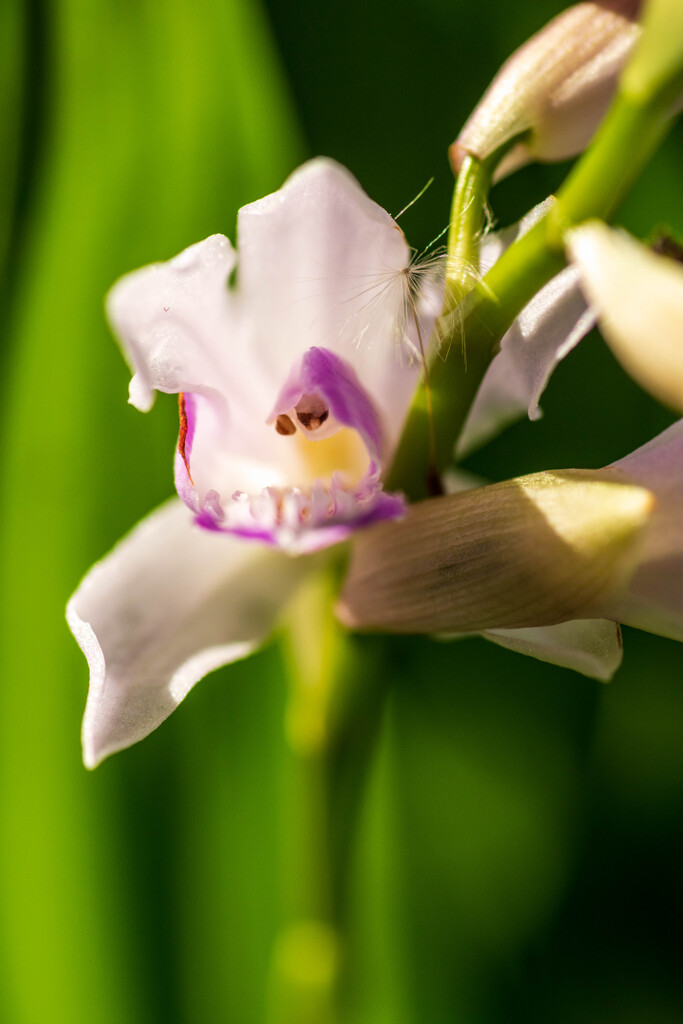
point(469, 335)
point(468, 211)
point(306, 965)
point(468, 217)
point(333, 715)
point(601, 180)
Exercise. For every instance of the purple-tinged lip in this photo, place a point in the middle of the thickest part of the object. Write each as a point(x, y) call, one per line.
point(300, 520)
point(320, 371)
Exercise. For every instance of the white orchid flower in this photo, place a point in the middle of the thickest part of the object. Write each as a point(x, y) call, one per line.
point(293, 362)
point(290, 362)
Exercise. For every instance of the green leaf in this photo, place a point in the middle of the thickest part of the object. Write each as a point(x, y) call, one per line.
point(162, 122)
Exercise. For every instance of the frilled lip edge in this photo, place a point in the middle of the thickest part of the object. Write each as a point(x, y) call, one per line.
point(384, 507)
point(295, 520)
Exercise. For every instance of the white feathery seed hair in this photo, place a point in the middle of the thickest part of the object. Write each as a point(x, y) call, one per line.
point(403, 300)
point(416, 290)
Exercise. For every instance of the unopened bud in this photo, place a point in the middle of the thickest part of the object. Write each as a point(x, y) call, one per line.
point(554, 90)
point(533, 551)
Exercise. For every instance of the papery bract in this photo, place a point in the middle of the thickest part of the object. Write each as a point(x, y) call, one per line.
point(532, 551)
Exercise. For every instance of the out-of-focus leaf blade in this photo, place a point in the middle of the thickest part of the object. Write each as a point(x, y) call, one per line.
point(161, 122)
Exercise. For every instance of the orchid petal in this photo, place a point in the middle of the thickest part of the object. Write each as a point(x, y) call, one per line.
point(336, 282)
point(592, 647)
point(638, 297)
point(547, 330)
point(532, 551)
point(321, 371)
point(168, 605)
point(654, 598)
point(173, 321)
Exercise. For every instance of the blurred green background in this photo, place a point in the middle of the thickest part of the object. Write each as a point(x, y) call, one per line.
point(520, 851)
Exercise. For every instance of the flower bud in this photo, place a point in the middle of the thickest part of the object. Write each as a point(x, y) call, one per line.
point(638, 298)
point(533, 551)
point(554, 90)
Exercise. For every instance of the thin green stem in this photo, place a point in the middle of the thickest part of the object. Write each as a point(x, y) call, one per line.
point(468, 213)
point(600, 181)
point(333, 714)
point(468, 219)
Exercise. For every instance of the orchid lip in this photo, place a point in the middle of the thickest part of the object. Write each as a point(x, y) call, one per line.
point(334, 482)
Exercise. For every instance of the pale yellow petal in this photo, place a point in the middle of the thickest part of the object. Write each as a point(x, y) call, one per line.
point(638, 298)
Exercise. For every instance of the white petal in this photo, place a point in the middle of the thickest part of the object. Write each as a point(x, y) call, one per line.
point(548, 328)
point(170, 603)
point(495, 244)
point(638, 298)
point(176, 321)
point(321, 264)
point(589, 646)
point(654, 600)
